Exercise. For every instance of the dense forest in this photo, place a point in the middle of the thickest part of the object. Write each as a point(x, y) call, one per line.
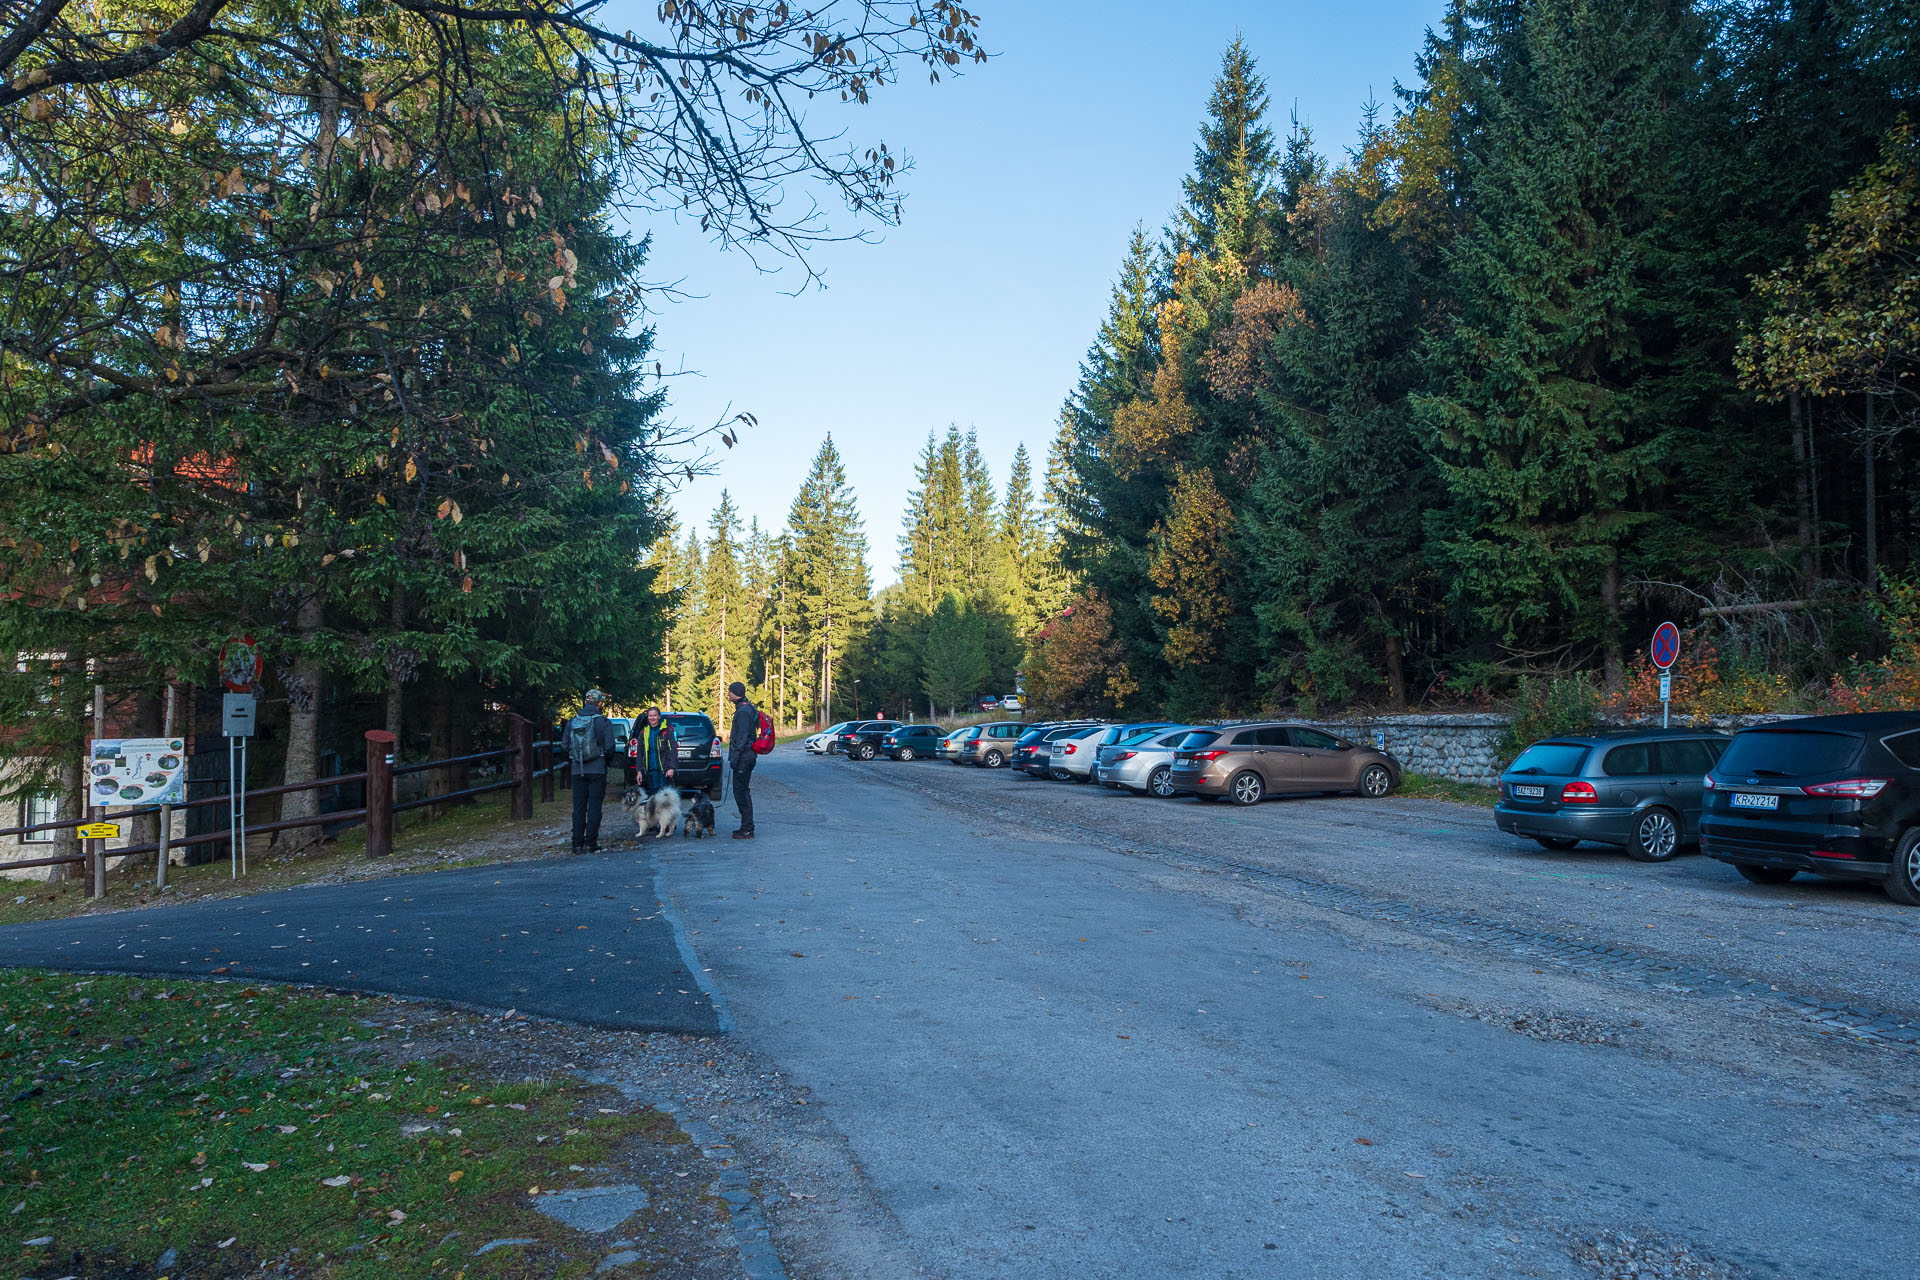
point(1613, 320)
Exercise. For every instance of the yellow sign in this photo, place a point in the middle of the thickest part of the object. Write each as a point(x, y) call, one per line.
point(100, 831)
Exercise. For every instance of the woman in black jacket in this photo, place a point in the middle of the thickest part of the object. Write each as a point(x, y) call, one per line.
point(653, 751)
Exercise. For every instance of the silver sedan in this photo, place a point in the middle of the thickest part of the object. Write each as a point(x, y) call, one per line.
point(1145, 766)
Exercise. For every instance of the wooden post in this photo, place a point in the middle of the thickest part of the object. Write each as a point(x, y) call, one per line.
point(97, 849)
point(521, 807)
point(379, 793)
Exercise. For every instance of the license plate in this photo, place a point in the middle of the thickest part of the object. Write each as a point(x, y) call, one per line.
point(1183, 760)
point(1747, 800)
point(1524, 792)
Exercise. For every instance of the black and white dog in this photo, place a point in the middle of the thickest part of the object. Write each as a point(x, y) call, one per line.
point(700, 818)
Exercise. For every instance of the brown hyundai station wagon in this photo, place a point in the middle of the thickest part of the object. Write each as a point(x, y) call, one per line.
point(1249, 762)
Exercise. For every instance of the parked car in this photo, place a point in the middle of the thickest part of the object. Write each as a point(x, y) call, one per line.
point(988, 702)
point(1639, 791)
point(701, 758)
point(913, 742)
point(860, 739)
point(1031, 750)
point(1012, 703)
point(622, 730)
point(1835, 795)
point(819, 743)
point(991, 747)
point(951, 744)
point(1070, 756)
point(1141, 761)
point(1248, 763)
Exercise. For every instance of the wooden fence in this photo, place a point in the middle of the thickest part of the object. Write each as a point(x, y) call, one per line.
point(526, 761)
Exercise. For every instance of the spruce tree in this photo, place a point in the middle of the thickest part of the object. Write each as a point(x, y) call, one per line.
point(831, 590)
point(1542, 407)
point(1234, 140)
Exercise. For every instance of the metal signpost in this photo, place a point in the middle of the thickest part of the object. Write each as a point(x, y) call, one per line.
point(240, 665)
point(236, 722)
point(1666, 648)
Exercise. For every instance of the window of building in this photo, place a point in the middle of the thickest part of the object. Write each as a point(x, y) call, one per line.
point(35, 810)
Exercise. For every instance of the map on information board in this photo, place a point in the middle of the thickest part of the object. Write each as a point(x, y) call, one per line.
point(139, 771)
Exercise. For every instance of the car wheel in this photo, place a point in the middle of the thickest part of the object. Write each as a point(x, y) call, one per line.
point(1559, 844)
point(1247, 788)
point(1656, 836)
point(867, 751)
point(906, 753)
point(1764, 875)
point(716, 792)
point(1160, 782)
point(1903, 882)
point(993, 759)
point(1375, 781)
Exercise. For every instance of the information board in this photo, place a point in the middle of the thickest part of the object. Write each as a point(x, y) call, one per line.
point(137, 771)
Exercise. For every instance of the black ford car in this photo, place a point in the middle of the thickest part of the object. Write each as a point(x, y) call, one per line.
point(1835, 795)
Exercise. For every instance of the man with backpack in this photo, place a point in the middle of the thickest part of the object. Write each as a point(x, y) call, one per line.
point(590, 740)
point(750, 738)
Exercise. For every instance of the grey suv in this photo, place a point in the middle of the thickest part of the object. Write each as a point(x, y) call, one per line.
point(1639, 791)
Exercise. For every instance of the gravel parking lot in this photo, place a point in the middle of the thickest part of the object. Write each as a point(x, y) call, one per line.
point(1063, 1031)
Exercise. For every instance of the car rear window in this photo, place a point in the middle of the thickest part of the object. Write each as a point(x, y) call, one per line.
point(1197, 739)
point(690, 730)
point(1789, 753)
point(1550, 757)
point(1141, 735)
point(1905, 748)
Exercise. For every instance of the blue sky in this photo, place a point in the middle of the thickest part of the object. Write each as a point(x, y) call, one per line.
point(1030, 172)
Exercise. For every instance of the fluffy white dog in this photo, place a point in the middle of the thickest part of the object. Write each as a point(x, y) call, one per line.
point(656, 814)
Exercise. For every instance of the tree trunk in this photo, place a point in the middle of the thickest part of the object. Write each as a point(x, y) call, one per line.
point(440, 732)
point(460, 743)
point(1802, 488)
point(1872, 512)
point(303, 728)
point(147, 706)
point(70, 782)
point(397, 674)
point(1616, 668)
point(1396, 673)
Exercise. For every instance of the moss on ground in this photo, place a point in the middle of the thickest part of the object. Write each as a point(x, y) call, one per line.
point(243, 1128)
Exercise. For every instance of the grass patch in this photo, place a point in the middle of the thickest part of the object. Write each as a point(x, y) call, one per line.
point(1417, 786)
point(458, 838)
point(245, 1128)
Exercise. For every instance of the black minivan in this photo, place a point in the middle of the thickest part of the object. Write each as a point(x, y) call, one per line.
point(1835, 795)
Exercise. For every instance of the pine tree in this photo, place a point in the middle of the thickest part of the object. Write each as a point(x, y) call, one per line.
point(830, 586)
point(955, 664)
point(1031, 574)
point(1543, 411)
point(1234, 141)
point(725, 606)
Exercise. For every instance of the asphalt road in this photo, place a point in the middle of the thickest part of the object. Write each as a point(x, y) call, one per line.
point(585, 939)
point(1067, 1033)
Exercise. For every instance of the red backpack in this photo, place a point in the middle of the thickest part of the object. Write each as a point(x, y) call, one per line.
point(763, 736)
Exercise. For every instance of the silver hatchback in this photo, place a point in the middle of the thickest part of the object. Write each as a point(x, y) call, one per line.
point(1141, 761)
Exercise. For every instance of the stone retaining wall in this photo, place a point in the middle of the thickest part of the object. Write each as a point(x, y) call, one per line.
point(1461, 746)
point(1465, 746)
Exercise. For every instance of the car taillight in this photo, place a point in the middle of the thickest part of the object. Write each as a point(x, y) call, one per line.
point(1579, 793)
point(1707, 782)
point(1862, 787)
point(1208, 755)
point(1828, 853)
point(1125, 755)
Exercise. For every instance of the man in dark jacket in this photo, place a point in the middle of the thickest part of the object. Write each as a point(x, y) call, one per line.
point(654, 751)
point(590, 739)
point(740, 755)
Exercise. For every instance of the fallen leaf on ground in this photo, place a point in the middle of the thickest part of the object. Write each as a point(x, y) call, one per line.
point(340, 1181)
